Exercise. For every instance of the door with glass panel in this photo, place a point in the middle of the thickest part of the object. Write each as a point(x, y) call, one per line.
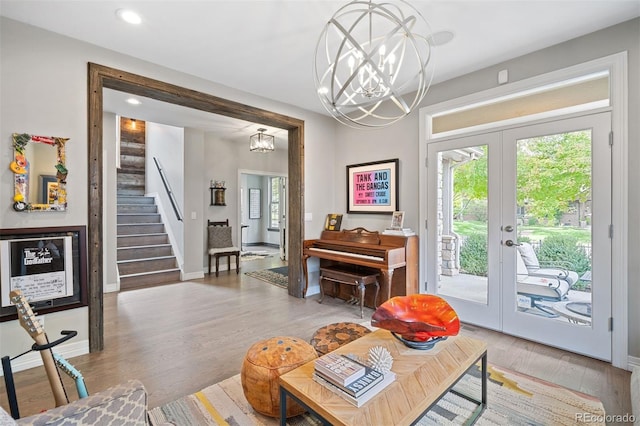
point(463, 238)
point(557, 259)
point(518, 231)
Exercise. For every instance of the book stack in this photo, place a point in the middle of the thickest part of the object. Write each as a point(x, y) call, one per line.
point(353, 381)
point(405, 232)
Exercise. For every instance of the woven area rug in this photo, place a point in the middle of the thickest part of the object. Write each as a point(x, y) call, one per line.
point(246, 256)
point(513, 399)
point(276, 276)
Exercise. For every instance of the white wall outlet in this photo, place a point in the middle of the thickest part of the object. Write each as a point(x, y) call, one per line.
point(193, 215)
point(308, 217)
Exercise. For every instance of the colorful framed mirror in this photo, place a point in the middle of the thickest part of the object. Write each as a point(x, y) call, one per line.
point(40, 173)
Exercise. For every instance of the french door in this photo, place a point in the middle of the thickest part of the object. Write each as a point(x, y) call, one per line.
point(518, 236)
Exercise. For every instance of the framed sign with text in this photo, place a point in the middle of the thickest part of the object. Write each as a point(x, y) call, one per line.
point(373, 187)
point(47, 264)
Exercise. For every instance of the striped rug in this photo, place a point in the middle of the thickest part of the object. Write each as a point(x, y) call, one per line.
point(513, 399)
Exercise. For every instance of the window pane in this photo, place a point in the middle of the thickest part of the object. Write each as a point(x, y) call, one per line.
point(274, 206)
point(463, 228)
point(275, 189)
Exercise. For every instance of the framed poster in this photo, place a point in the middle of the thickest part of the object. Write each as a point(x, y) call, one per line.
point(47, 264)
point(254, 203)
point(373, 187)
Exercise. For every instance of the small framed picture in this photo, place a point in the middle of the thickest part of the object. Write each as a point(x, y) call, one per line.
point(333, 222)
point(397, 219)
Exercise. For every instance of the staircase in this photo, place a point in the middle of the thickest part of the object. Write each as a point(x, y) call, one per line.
point(144, 256)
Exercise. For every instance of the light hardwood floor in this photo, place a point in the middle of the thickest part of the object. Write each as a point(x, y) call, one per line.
point(180, 338)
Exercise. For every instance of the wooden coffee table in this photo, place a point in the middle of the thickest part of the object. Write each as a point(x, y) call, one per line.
point(422, 379)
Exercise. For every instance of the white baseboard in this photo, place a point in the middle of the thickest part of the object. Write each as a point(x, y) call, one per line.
point(633, 361)
point(184, 276)
point(111, 288)
point(33, 359)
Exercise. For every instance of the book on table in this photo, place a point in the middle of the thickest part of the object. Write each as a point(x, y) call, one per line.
point(360, 400)
point(339, 369)
point(358, 386)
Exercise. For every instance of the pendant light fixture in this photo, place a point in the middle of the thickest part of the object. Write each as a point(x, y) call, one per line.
point(373, 62)
point(261, 142)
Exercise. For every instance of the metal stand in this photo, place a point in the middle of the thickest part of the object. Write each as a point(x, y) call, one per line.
point(8, 372)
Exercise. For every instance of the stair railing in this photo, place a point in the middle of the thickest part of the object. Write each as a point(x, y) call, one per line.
point(167, 187)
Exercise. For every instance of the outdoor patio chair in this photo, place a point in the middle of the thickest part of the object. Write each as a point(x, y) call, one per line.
point(534, 267)
point(539, 288)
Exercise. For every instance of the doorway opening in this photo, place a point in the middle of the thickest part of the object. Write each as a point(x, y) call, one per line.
point(100, 77)
point(263, 226)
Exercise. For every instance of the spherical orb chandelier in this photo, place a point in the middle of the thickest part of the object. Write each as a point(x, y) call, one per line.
point(373, 62)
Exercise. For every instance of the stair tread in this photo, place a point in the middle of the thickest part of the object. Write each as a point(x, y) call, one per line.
point(145, 246)
point(142, 259)
point(141, 223)
point(141, 235)
point(137, 274)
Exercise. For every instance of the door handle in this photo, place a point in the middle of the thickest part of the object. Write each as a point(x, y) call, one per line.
point(508, 228)
point(510, 243)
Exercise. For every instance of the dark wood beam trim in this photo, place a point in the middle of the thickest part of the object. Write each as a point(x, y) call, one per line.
point(100, 77)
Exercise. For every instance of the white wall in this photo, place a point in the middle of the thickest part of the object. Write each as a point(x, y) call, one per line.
point(166, 144)
point(223, 159)
point(194, 205)
point(110, 186)
point(52, 100)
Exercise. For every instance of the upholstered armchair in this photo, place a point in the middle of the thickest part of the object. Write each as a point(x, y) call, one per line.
point(220, 244)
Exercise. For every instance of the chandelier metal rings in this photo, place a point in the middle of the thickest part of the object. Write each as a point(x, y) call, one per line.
point(373, 62)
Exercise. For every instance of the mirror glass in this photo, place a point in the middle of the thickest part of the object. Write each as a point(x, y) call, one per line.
point(40, 173)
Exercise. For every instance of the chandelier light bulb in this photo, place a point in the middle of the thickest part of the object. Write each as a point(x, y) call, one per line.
point(373, 62)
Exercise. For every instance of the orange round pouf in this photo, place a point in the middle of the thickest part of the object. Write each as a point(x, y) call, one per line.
point(330, 337)
point(262, 366)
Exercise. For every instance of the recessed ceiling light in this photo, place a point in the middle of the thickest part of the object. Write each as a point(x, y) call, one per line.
point(129, 16)
point(133, 101)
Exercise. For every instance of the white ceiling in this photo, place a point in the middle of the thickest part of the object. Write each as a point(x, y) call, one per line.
point(266, 47)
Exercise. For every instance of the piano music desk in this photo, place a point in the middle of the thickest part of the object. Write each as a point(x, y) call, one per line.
point(345, 275)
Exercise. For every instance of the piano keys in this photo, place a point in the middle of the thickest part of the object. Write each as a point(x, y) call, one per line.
point(394, 256)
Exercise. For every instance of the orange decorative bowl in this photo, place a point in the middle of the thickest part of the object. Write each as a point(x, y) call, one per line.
point(418, 320)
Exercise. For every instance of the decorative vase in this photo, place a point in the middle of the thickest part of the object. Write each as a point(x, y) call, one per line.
point(418, 320)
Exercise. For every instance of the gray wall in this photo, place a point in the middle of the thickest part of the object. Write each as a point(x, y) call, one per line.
point(60, 110)
point(401, 139)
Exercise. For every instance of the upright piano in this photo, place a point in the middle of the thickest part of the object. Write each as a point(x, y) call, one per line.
point(394, 256)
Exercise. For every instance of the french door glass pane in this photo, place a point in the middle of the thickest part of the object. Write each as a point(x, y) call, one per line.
point(553, 197)
point(462, 216)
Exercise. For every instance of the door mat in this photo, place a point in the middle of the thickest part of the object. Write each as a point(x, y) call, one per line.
point(276, 276)
point(513, 399)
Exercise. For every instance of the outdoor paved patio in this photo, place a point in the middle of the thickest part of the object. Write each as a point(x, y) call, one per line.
point(474, 288)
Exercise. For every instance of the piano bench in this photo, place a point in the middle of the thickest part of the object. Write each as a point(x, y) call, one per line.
point(345, 275)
